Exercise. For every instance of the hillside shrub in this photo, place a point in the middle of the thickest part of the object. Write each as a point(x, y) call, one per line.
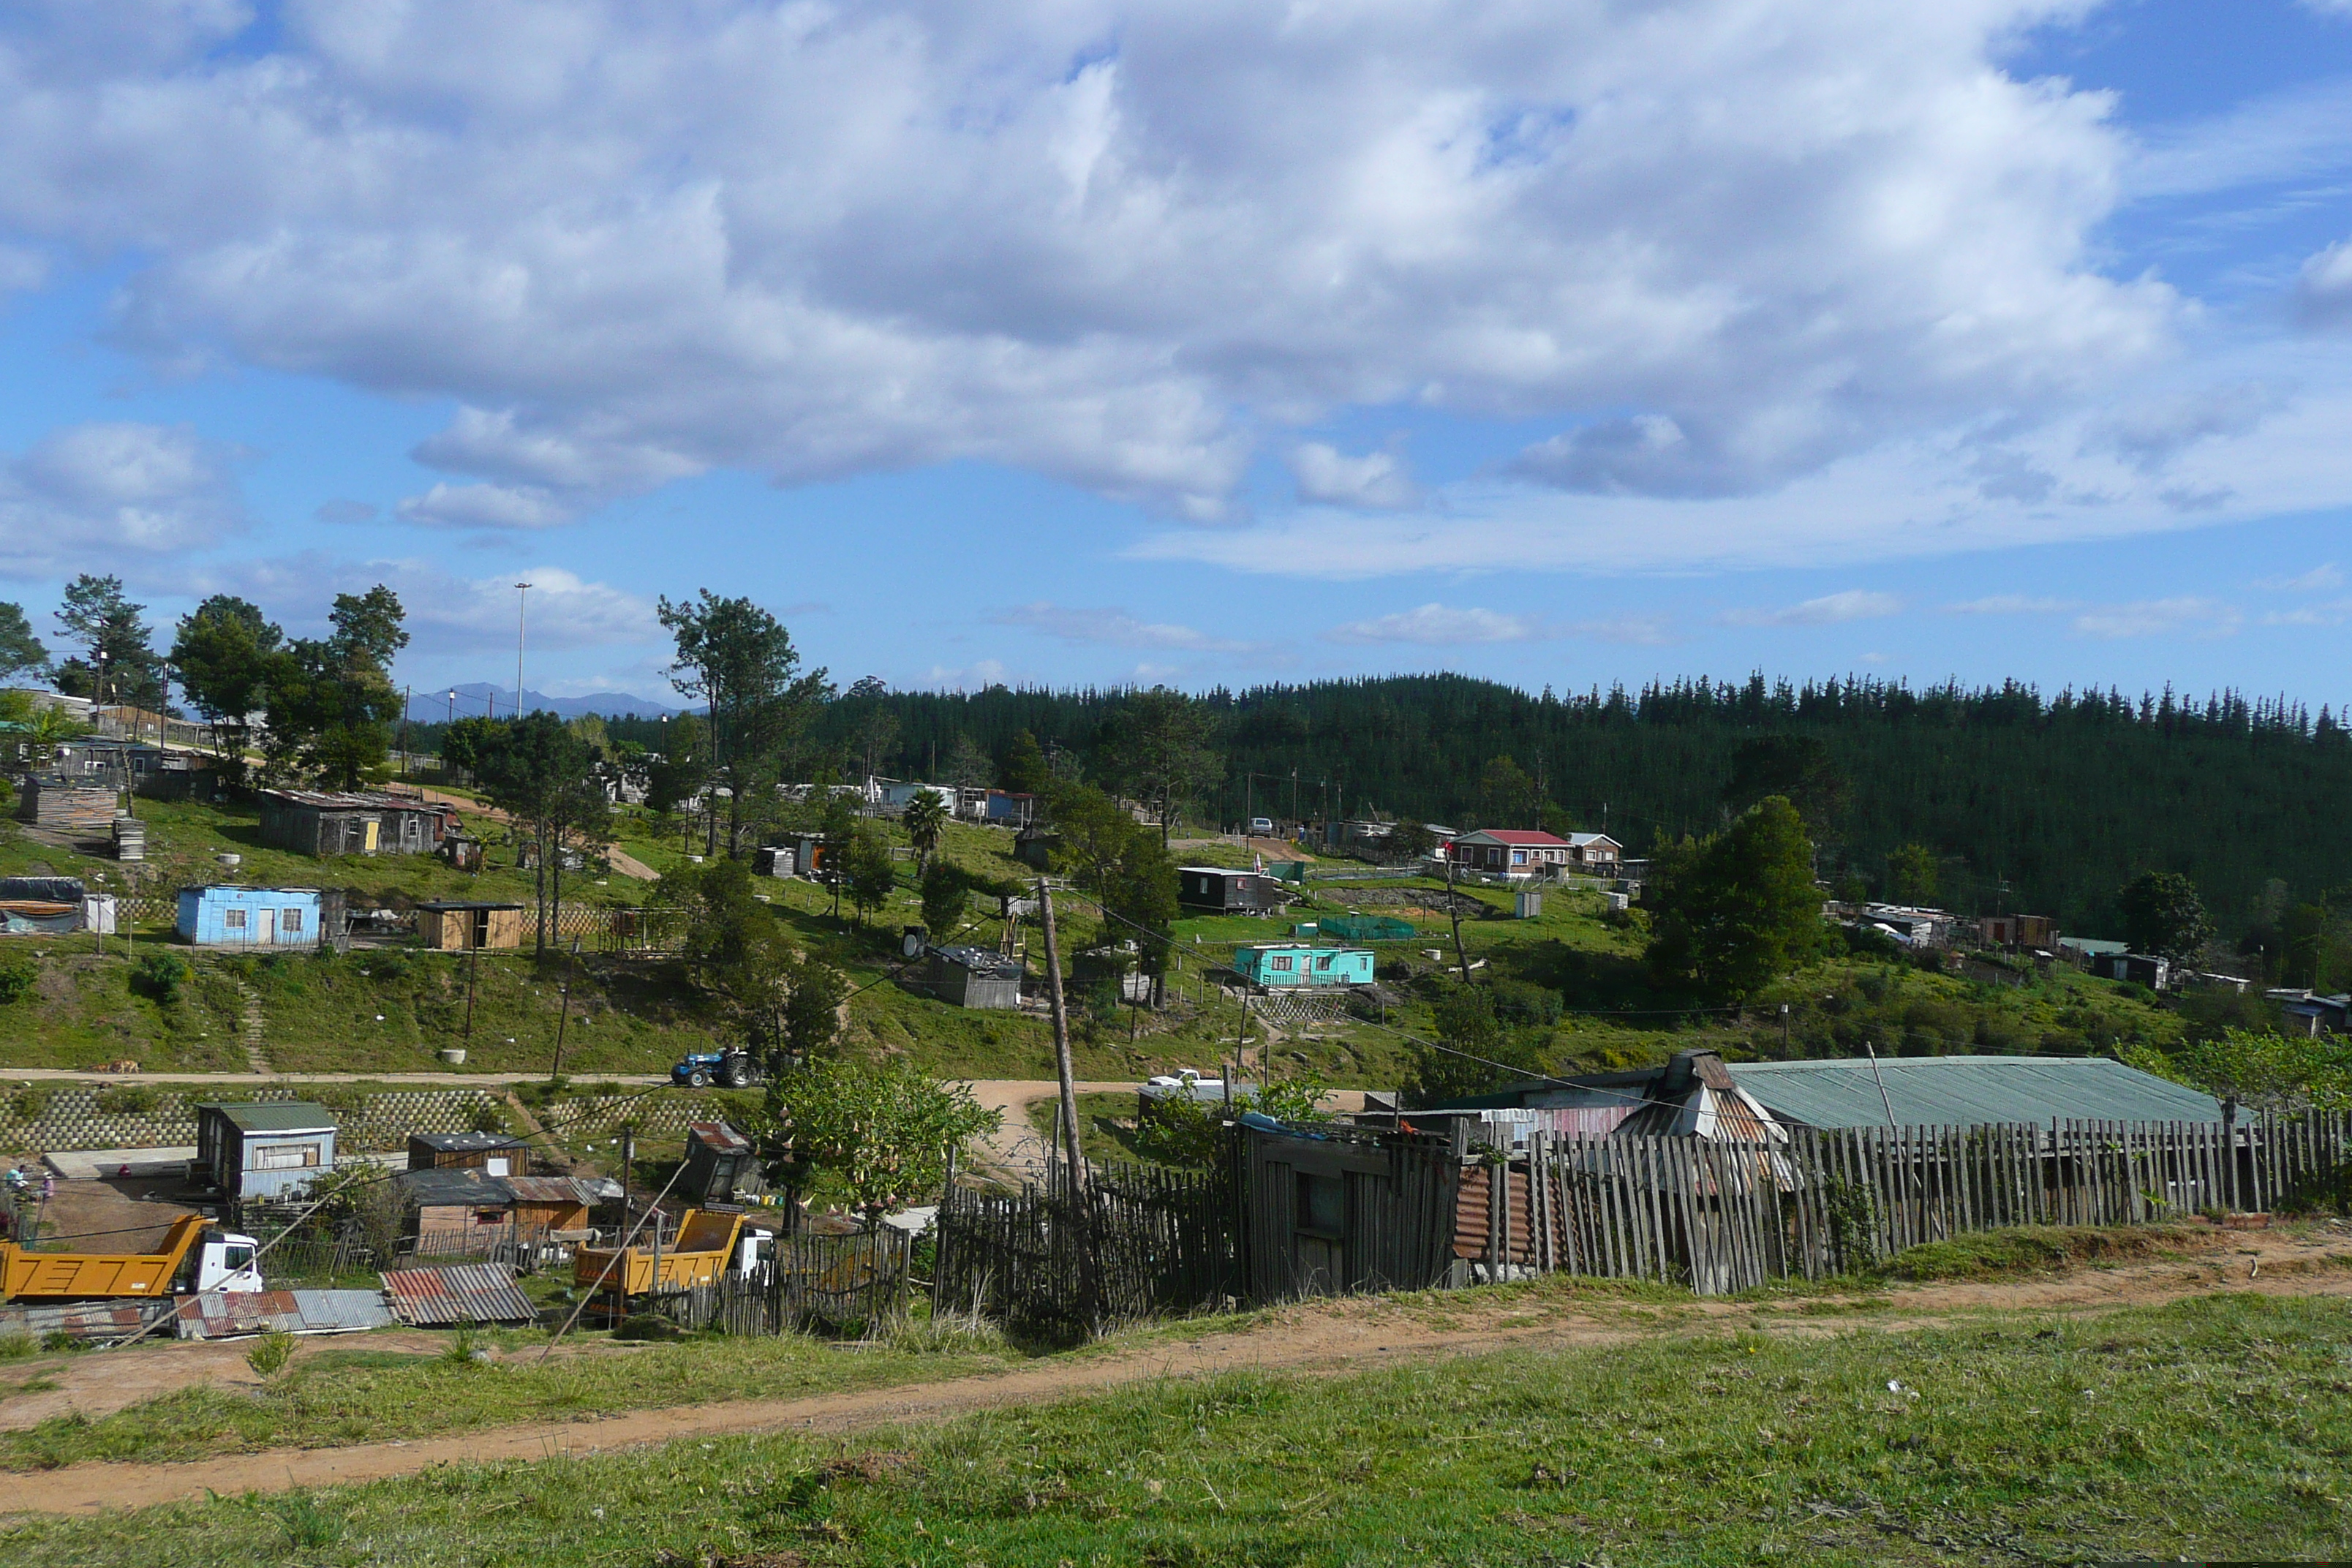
point(127, 1100)
point(19, 974)
point(159, 976)
point(1524, 1002)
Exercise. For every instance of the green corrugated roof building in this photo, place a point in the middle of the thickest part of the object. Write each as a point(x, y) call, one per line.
point(1965, 1091)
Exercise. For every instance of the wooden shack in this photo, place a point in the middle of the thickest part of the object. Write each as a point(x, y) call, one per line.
point(1224, 889)
point(497, 1153)
point(325, 822)
point(456, 927)
point(1340, 1213)
point(973, 978)
point(84, 811)
point(720, 1165)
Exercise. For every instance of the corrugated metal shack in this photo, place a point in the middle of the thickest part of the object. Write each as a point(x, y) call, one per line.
point(497, 1153)
point(265, 1150)
point(82, 810)
point(323, 822)
point(455, 927)
point(1344, 1210)
point(973, 978)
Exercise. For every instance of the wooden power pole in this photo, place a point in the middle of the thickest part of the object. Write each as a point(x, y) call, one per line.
point(1070, 1116)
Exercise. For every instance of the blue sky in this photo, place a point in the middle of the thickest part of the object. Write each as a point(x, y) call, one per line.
point(1098, 342)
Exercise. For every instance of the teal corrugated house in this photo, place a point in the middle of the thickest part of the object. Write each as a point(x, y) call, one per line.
point(1290, 965)
point(250, 917)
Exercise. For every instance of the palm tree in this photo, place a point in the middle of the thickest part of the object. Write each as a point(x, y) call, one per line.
point(926, 820)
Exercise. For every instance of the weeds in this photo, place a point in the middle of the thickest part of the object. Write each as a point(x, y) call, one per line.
point(308, 1527)
point(270, 1354)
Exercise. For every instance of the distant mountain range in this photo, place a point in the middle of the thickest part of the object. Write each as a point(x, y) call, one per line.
point(477, 698)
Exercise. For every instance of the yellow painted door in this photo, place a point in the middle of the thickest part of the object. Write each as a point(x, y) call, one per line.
point(369, 848)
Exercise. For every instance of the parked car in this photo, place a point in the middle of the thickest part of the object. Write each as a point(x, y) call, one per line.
point(1261, 827)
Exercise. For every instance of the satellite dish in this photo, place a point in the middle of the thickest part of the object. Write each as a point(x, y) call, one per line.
point(911, 944)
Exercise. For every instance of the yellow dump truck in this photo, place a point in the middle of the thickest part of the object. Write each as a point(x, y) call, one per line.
point(709, 1247)
point(189, 1261)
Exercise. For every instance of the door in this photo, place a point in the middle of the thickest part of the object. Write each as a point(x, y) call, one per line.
point(265, 926)
point(368, 833)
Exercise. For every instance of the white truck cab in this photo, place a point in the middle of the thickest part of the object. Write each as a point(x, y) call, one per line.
point(225, 1264)
point(757, 1246)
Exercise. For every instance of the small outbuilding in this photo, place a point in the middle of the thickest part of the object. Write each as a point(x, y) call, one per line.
point(494, 1153)
point(1223, 890)
point(973, 978)
point(720, 1165)
point(456, 927)
point(264, 1148)
point(1296, 965)
point(223, 916)
point(43, 906)
point(325, 822)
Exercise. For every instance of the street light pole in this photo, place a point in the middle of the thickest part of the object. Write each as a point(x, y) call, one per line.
point(521, 589)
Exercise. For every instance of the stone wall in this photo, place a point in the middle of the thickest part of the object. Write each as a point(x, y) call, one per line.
point(42, 1118)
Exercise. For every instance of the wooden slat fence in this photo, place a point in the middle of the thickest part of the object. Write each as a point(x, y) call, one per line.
point(1139, 1242)
point(831, 1284)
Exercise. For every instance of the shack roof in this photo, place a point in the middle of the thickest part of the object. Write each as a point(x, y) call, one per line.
point(454, 1187)
point(979, 960)
point(450, 906)
point(351, 800)
point(1963, 1092)
point(275, 1116)
point(1219, 871)
point(461, 1142)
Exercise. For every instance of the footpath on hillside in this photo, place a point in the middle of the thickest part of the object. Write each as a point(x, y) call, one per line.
point(1322, 1338)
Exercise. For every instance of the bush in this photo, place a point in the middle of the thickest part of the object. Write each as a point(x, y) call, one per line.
point(28, 1102)
point(127, 1100)
point(19, 974)
point(1524, 1002)
point(386, 967)
point(645, 1326)
point(159, 977)
point(270, 1353)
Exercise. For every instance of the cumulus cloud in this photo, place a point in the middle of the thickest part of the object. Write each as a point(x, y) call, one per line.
point(1829, 609)
point(2185, 616)
point(86, 491)
point(2320, 578)
point(446, 612)
point(2150, 434)
point(1443, 625)
point(485, 506)
point(2322, 290)
point(1113, 628)
point(633, 242)
point(1377, 479)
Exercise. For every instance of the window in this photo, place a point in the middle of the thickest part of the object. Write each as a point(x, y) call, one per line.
point(1519, 857)
point(1322, 1206)
point(495, 1165)
point(1280, 963)
point(290, 921)
point(232, 919)
point(1323, 964)
point(236, 1259)
point(488, 1216)
point(284, 1156)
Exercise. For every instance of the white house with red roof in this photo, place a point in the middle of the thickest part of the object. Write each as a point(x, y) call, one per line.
point(1520, 852)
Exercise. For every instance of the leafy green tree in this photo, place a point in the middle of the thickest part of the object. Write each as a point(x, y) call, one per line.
point(866, 870)
point(120, 663)
point(1739, 909)
point(21, 653)
point(1507, 795)
point(331, 702)
point(2302, 947)
point(1024, 770)
point(1911, 874)
point(884, 1129)
point(926, 822)
point(968, 766)
point(683, 768)
point(1482, 1056)
point(1159, 745)
point(536, 771)
point(222, 657)
point(947, 894)
point(2259, 1069)
point(1124, 866)
point(1409, 841)
point(740, 661)
point(2163, 917)
point(783, 1004)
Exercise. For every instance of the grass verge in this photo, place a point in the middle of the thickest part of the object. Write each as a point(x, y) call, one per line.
point(2206, 1429)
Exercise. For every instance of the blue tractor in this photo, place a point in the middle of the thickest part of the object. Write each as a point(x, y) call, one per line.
point(700, 1070)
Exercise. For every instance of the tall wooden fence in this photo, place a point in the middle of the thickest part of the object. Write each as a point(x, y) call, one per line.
point(1723, 1216)
point(1136, 1242)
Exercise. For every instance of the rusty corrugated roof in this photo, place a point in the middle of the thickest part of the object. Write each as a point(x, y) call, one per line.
point(467, 1293)
point(92, 1322)
point(223, 1315)
point(544, 1190)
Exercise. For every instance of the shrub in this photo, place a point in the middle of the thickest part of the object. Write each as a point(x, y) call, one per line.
point(28, 1102)
point(127, 1100)
point(645, 1326)
point(19, 974)
point(1524, 1002)
point(386, 968)
point(270, 1353)
point(159, 976)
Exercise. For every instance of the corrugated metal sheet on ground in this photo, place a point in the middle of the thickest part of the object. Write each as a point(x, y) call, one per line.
point(1969, 1091)
point(90, 1320)
point(470, 1292)
point(228, 1315)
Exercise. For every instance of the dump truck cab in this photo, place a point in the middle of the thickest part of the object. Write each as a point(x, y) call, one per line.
point(196, 1257)
point(225, 1264)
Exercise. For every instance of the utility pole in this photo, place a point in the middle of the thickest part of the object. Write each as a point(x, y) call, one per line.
point(628, 1164)
point(563, 1011)
point(404, 699)
point(521, 591)
point(473, 967)
point(1453, 913)
point(1069, 1112)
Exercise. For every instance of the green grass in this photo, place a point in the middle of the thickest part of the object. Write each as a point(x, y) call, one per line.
point(358, 1395)
point(2210, 1429)
point(2032, 1249)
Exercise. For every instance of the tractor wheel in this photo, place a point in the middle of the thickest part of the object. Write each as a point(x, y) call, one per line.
point(736, 1072)
point(698, 1078)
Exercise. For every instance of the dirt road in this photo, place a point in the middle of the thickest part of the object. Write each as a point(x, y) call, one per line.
point(1015, 1149)
point(1320, 1338)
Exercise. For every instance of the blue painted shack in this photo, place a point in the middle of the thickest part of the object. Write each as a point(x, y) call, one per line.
point(1278, 964)
point(263, 1150)
point(253, 917)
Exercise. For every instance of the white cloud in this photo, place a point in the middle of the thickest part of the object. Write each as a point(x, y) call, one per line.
point(2332, 614)
point(84, 491)
point(976, 675)
point(1109, 240)
point(1829, 609)
point(1376, 479)
point(1113, 628)
point(2185, 616)
point(2320, 578)
point(485, 506)
point(2322, 289)
point(446, 613)
point(2011, 604)
point(1442, 625)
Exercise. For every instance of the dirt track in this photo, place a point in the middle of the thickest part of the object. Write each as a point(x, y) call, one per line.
point(1321, 1338)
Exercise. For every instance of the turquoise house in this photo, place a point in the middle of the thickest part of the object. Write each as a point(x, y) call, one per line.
point(1292, 964)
